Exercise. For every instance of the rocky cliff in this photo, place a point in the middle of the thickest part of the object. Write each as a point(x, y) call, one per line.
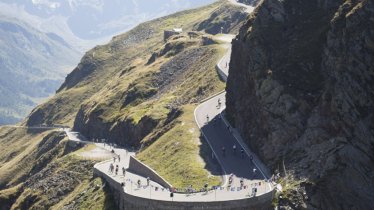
point(301, 92)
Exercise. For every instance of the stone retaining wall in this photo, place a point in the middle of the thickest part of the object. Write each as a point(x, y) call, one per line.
point(221, 73)
point(126, 201)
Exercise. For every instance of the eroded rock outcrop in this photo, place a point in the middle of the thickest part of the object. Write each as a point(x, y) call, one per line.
point(125, 132)
point(300, 91)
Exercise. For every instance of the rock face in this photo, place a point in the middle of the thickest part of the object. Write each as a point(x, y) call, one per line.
point(301, 92)
point(230, 21)
point(122, 133)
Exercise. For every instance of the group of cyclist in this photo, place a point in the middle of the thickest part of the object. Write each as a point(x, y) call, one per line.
point(231, 180)
point(234, 148)
point(218, 107)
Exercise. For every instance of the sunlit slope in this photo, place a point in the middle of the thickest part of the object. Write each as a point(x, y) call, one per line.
point(136, 90)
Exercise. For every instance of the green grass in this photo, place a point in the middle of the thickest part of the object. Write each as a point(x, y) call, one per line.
point(289, 184)
point(10, 192)
point(103, 89)
point(176, 154)
point(36, 197)
point(24, 153)
point(8, 196)
point(174, 149)
point(156, 109)
point(90, 194)
point(19, 152)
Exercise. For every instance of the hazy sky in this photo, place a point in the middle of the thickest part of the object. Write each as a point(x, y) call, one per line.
point(91, 19)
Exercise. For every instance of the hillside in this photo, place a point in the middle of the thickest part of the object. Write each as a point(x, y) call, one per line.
point(119, 93)
point(136, 91)
point(32, 66)
point(40, 169)
point(300, 90)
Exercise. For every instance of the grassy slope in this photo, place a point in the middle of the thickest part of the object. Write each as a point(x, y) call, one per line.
point(204, 80)
point(90, 194)
point(104, 84)
point(34, 176)
point(18, 153)
point(119, 64)
point(117, 67)
point(120, 67)
point(175, 155)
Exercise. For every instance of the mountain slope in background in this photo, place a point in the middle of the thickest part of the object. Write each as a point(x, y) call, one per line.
point(301, 91)
point(32, 66)
point(84, 24)
point(42, 40)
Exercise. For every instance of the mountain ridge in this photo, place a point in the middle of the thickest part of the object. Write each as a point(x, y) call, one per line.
point(32, 66)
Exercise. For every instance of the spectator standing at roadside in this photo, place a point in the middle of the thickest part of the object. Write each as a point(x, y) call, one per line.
point(123, 171)
point(111, 167)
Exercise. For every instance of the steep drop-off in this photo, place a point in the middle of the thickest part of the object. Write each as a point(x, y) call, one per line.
point(40, 169)
point(300, 91)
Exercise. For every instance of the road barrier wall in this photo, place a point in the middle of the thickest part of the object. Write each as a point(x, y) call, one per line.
point(139, 168)
point(221, 73)
point(126, 201)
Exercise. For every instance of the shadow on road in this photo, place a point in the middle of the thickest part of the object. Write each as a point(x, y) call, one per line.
point(212, 165)
point(233, 161)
